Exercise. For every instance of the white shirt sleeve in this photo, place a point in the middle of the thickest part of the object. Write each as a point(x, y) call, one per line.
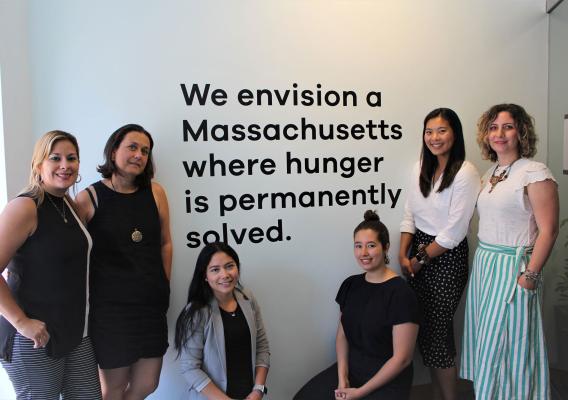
point(465, 189)
point(407, 224)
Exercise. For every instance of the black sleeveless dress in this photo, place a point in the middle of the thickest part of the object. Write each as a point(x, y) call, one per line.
point(48, 279)
point(129, 289)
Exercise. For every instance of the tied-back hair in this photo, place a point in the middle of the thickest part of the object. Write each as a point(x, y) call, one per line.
point(524, 124)
point(42, 149)
point(429, 162)
point(108, 167)
point(372, 221)
point(200, 293)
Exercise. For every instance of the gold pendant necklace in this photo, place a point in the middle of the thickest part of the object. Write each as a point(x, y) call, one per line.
point(136, 236)
point(62, 213)
point(495, 179)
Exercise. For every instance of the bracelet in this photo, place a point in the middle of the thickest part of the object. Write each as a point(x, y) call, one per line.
point(531, 275)
point(260, 388)
point(421, 256)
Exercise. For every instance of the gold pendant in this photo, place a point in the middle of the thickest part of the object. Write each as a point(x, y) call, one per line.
point(136, 236)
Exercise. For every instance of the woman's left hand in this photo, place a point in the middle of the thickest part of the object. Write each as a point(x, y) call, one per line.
point(254, 395)
point(347, 394)
point(415, 265)
point(523, 282)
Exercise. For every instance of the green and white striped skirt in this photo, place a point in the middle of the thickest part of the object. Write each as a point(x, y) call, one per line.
point(503, 348)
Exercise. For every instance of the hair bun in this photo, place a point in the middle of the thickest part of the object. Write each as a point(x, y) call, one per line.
point(371, 215)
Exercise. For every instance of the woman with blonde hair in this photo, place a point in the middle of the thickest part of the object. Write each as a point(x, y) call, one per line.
point(504, 353)
point(43, 329)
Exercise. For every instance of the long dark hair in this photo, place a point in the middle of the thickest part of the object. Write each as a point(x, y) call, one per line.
point(108, 167)
point(430, 161)
point(200, 293)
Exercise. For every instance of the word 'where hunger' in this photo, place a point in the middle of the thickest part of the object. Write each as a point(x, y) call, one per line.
point(345, 166)
point(303, 131)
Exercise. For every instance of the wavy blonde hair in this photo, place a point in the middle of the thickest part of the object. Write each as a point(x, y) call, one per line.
point(524, 124)
point(42, 150)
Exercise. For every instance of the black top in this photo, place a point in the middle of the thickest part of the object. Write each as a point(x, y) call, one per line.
point(129, 288)
point(369, 311)
point(125, 271)
point(48, 278)
point(238, 354)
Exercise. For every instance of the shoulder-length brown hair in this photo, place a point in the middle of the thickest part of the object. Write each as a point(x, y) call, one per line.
point(524, 124)
point(109, 167)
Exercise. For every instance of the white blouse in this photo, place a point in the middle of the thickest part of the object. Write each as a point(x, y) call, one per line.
point(505, 215)
point(445, 214)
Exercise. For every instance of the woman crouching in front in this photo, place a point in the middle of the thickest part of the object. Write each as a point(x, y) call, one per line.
point(377, 327)
point(220, 336)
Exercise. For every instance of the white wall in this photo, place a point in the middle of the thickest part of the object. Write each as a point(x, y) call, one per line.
point(15, 112)
point(556, 327)
point(16, 93)
point(97, 67)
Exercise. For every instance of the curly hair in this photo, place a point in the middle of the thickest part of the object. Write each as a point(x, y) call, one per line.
point(524, 124)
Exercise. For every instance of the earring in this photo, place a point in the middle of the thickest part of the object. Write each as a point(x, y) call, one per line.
point(79, 178)
point(387, 259)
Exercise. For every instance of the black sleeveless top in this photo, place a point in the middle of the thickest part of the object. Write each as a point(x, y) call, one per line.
point(127, 267)
point(48, 279)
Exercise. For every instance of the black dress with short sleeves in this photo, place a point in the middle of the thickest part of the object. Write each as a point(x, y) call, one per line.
point(129, 289)
point(368, 313)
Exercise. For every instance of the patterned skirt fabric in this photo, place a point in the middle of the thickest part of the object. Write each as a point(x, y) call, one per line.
point(439, 287)
point(504, 352)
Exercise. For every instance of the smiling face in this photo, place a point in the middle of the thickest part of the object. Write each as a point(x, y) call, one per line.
point(439, 136)
point(131, 156)
point(503, 137)
point(222, 275)
point(59, 170)
point(369, 252)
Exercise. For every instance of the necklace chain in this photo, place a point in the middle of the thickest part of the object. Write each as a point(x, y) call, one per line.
point(136, 236)
point(62, 213)
point(495, 179)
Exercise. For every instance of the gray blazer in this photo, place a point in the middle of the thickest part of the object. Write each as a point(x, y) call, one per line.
point(203, 358)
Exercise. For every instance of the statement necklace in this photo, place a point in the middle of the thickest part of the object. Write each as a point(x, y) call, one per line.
point(62, 213)
point(495, 179)
point(136, 236)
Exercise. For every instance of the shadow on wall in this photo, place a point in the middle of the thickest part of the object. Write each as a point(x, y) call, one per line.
point(561, 307)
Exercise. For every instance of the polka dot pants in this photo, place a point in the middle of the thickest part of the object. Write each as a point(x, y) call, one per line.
point(439, 287)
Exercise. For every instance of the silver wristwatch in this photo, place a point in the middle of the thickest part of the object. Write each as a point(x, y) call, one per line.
point(261, 388)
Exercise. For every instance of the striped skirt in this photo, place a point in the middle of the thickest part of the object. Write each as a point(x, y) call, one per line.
point(503, 349)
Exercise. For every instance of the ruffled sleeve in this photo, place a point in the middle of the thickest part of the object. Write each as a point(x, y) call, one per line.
point(535, 172)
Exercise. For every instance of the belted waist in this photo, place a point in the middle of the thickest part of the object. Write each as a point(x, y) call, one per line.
point(519, 252)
